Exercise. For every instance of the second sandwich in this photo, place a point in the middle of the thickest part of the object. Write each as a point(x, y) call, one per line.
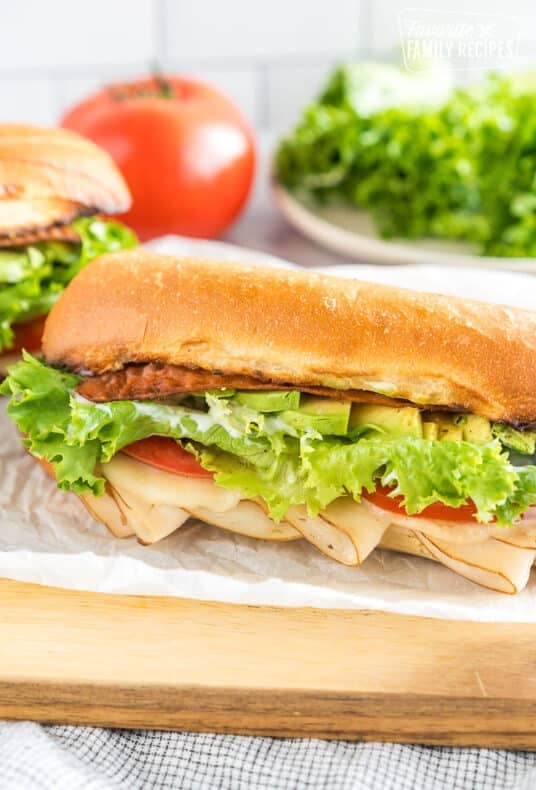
point(52, 183)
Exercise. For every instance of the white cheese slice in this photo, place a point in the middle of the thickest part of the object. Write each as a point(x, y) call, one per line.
point(165, 488)
point(126, 514)
point(248, 518)
point(156, 503)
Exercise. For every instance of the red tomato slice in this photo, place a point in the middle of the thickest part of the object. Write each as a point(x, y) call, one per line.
point(166, 454)
point(28, 335)
point(436, 512)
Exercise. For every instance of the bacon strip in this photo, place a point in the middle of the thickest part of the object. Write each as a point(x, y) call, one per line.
point(156, 380)
point(52, 233)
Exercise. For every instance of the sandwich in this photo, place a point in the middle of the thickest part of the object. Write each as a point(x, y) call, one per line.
point(284, 405)
point(52, 184)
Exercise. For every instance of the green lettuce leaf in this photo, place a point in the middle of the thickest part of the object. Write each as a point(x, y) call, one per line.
point(258, 453)
point(98, 236)
point(33, 277)
point(422, 471)
point(462, 170)
point(57, 423)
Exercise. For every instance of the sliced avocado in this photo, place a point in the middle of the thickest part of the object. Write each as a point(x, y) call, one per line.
point(312, 404)
point(457, 427)
point(222, 392)
point(449, 426)
point(269, 401)
point(325, 415)
point(398, 421)
point(476, 429)
point(430, 430)
point(522, 441)
point(449, 433)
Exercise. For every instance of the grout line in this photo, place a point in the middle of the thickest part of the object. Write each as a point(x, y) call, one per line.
point(235, 64)
point(365, 28)
point(103, 70)
point(159, 32)
point(231, 63)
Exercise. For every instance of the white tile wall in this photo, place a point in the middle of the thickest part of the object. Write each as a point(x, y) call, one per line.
point(270, 56)
point(43, 34)
point(290, 88)
point(27, 100)
point(260, 28)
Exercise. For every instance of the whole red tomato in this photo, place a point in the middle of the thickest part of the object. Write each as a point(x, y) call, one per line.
point(185, 150)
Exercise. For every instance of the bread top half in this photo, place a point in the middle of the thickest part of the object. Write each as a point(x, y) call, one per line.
point(299, 328)
point(48, 177)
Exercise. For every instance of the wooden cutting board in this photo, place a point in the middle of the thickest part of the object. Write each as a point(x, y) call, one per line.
point(133, 661)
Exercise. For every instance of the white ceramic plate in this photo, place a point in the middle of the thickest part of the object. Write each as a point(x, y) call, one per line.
point(349, 232)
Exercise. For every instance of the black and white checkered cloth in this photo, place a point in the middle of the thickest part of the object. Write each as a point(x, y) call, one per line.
point(85, 758)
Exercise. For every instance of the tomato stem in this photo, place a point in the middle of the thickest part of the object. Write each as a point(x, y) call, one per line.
point(165, 88)
point(162, 89)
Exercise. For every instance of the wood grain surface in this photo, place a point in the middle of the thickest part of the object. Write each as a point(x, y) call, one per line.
point(132, 661)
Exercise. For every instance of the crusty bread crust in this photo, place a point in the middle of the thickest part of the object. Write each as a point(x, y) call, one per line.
point(300, 328)
point(51, 176)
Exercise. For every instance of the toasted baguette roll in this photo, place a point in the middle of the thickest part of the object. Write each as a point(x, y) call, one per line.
point(290, 327)
point(48, 177)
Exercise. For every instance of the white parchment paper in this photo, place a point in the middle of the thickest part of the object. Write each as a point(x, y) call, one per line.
point(47, 537)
